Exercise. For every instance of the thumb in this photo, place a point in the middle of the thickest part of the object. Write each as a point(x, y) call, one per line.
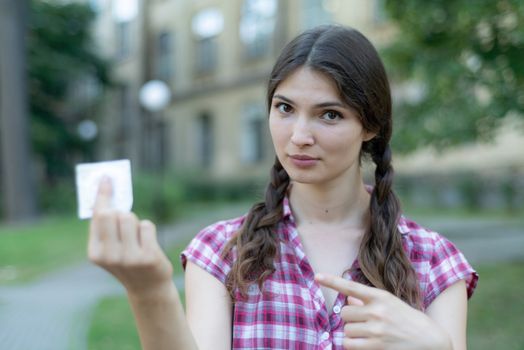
point(104, 194)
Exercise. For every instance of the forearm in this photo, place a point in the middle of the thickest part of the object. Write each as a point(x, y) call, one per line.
point(161, 321)
point(441, 341)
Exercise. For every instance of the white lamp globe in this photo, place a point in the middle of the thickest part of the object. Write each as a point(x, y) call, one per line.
point(155, 95)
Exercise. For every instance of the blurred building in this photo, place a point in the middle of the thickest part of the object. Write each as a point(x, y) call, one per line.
point(215, 56)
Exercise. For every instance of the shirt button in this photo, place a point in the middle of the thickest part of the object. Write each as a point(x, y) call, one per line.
point(325, 336)
point(336, 309)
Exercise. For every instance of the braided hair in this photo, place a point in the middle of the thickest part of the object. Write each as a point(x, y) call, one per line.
point(348, 58)
point(256, 242)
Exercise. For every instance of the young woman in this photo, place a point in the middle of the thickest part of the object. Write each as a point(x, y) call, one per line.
point(324, 262)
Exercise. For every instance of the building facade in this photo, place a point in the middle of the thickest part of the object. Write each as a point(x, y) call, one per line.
point(215, 56)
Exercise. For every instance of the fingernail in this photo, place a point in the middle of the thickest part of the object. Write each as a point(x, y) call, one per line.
point(319, 277)
point(105, 183)
point(105, 180)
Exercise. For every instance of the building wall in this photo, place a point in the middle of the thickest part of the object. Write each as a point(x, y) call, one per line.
point(230, 100)
point(207, 126)
point(237, 84)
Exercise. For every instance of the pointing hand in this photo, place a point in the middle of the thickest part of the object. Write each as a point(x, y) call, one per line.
point(376, 319)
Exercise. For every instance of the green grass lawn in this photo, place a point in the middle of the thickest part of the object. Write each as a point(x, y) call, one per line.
point(113, 326)
point(496, 310)
point(494, 320)
point(28, 250)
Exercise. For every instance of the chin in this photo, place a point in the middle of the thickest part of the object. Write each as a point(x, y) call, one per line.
point(304, 178)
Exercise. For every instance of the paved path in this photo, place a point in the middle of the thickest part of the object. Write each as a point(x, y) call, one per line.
point(54, 312)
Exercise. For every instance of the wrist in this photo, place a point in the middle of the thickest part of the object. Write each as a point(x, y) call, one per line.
point(154, 294)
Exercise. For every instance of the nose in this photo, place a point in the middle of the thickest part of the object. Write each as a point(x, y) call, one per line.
point(302, 133)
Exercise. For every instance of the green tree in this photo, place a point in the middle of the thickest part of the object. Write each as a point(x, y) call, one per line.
point(462, 64)
point(66, 78)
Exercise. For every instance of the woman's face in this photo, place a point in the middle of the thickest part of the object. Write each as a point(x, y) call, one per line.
point(316, 135)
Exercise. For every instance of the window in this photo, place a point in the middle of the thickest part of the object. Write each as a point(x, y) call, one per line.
point(165, 57)
point(206, 26)
point(254, 124)
point(205, 140)
point(257, 26)
point(314, 13)
point(124, 13)
point(206, 55)
point(123, 40)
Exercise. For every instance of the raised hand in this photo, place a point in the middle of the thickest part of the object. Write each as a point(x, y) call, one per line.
point(128, 248)
point(376, 319)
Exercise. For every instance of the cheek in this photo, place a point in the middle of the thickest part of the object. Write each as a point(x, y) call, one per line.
point(272, 126)
point(342, 142)
point(277, 131)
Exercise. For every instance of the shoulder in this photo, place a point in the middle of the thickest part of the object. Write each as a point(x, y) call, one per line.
point(419, 241)
point(206, 248)
point(218, 234)
point(436, 260)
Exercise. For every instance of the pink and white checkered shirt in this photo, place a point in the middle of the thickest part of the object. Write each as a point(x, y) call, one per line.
point(293, 315)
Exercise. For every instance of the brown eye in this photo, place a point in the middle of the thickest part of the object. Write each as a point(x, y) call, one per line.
point(331, 116)
point(284, 108)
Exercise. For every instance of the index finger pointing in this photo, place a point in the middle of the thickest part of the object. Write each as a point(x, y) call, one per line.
point(348, 288)
point(104, 194)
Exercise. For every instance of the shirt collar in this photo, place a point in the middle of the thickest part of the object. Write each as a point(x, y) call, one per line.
point(286, 208)
point(403, 228)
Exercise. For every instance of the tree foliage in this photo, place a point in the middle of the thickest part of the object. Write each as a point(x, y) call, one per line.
point(462, 67)
point(65, 80)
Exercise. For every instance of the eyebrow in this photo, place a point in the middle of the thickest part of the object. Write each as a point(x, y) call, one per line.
point(319, 105)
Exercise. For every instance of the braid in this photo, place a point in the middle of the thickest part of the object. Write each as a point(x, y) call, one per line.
point(256, 242)
point(382, 259)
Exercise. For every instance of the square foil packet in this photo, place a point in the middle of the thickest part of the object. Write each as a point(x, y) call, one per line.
point(88, 176)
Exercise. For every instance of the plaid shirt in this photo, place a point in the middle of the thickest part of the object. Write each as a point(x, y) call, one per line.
point(291, 313)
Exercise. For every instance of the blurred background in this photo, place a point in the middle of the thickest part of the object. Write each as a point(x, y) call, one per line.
point(178, 87)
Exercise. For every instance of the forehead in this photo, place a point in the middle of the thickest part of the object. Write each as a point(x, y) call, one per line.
point(308, 85)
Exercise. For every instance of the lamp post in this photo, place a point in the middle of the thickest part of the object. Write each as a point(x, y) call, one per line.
point(154, 97)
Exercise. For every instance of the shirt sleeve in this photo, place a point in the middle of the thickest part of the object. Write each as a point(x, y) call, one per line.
point(205, 250)
point(447, 266)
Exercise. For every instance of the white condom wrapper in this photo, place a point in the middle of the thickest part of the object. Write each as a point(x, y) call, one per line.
point(88, 176)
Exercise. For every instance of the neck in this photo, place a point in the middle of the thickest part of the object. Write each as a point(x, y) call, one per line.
point(345, 205)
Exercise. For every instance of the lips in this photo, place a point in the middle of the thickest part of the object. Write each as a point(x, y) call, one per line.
point(303, 160)
point(302, 157)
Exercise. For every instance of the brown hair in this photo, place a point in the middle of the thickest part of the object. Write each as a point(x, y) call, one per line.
point(346, 56)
